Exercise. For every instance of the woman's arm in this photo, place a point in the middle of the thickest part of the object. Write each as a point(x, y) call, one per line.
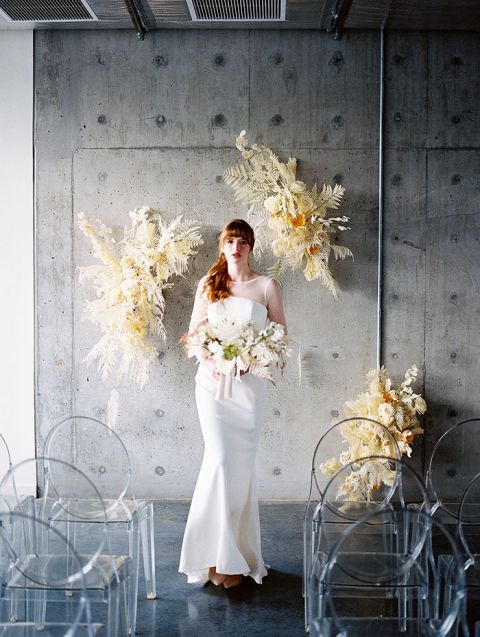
point(274, 300)
point(199, 311)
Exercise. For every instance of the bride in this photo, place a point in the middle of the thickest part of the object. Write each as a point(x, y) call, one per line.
point(222, 536)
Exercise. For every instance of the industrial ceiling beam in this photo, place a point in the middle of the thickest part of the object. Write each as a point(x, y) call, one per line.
point(136, 16)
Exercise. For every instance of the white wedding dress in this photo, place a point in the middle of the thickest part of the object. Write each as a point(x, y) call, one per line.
point(223, 528)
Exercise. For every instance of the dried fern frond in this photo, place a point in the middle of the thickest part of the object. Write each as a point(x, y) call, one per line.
point(129, 304)
point(294, 219)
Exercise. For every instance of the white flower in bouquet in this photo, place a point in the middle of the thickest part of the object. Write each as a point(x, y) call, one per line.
point(235, 347)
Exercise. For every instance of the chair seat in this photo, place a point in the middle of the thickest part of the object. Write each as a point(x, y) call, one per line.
point(360, 570)
point(121, 512)
point(53, 568)
point(374, 627)
point(48, 629)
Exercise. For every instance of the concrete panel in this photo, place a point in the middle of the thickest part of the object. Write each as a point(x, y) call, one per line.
point(405, 89)
point(159, 424)
point(53, 265)
point(309, 90)
point(453, 89)
point(452, 343)
point(108, 93)
point(453, 183)
point(403, 307)
point(176, 88)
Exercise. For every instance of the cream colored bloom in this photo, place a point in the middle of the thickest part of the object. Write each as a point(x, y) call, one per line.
point(420, 405)
point(330, 467)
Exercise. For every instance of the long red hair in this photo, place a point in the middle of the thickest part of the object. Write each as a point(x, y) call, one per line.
point(217, 283)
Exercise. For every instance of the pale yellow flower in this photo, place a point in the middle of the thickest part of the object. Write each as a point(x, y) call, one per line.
point(331, 466)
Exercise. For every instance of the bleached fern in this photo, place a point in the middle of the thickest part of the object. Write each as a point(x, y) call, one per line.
point(294, 221)
point(130, 305)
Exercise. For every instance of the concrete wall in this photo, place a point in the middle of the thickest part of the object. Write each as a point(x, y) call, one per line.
point(121, 123)
point(16, 250)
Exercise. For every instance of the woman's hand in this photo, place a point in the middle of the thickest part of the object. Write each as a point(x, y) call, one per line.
point(210, 365)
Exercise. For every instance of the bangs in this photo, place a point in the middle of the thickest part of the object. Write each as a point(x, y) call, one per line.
point(238, 228)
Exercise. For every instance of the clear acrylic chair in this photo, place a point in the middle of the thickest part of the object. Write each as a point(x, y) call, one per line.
point(364, 486)
point(99, 452)
point(107, 574)
point(468, 534)
point(452, 465)
point(5, 457)
point(41, 562)
point(412, 565)
point(369, 435)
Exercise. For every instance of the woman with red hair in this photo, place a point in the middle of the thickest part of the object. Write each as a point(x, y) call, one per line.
point(222, 535)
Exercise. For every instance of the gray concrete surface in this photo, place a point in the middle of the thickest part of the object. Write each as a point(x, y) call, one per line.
point(121, 123)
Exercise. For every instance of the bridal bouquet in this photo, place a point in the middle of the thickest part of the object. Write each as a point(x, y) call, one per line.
point(398, 411)
point(236, 346)
point(294, 219)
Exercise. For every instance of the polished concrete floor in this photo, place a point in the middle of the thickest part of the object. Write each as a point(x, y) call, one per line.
point(273, 609)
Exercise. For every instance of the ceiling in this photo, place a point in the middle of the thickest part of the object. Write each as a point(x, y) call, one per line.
point(331, 15)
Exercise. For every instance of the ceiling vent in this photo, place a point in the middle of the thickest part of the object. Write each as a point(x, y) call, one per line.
point(46, 10)
point(237, 10)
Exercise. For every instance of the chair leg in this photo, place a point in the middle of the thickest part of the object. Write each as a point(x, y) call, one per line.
point(132, 587)
point(40, 606)
point(113, 612)
point(148, 551)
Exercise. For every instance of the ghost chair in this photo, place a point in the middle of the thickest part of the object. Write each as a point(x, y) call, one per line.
point(390, 571)
point(99, 452)
point(369, 485)
point(468, 534)
point(5, 457)
point(366, 437)
point(452, 465)
point(106, 574)
point(23, 500)
point(42, 565)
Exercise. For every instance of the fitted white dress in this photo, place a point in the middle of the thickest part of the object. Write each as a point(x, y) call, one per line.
point(223, 528)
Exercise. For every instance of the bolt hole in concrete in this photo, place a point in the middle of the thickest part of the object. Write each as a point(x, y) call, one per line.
point(277, 120)
point(219, 120)
point(102, 119)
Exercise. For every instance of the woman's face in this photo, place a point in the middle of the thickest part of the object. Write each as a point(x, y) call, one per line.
point(236, 250)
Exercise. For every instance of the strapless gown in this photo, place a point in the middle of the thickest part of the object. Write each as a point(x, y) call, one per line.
point(223, 527)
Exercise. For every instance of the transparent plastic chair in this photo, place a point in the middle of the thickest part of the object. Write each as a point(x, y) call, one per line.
point(391, 571)
point(99, 452)
point(377, 484)
point(33, 574)
point(5, 457)
point(107, 575)
point(332, 444)
point(447, 478)
point(468, 534)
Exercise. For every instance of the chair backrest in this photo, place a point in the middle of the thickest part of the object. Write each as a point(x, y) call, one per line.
point(5, 457)
point(97, 451)
point(363, 487)
point(364, 436)
point(452, 465)
point(357, 437)
point(382, 570)
point(469, 521)
point(59, 506)
point(40, 557)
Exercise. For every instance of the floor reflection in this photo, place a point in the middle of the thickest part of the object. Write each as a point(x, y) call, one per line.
point(274, 608)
